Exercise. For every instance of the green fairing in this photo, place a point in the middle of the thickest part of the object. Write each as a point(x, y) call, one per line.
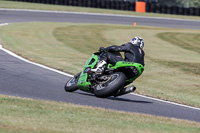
point(139, 67)
point(84, 85)
point(82, 82)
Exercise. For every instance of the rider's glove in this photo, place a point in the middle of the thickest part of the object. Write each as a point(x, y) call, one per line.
point(102, 49)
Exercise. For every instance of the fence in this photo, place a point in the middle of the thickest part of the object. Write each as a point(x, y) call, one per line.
point(121, 5)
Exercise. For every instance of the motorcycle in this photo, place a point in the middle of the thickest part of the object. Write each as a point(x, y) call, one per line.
point(111, 82)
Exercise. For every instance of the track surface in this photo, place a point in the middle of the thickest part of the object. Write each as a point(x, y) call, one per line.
point(19, 78)
point(29, 16)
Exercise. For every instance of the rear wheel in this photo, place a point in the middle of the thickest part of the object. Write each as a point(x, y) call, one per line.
point(111, 84)
point(71, 84)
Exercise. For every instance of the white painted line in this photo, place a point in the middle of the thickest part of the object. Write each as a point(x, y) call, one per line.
point(187, 106)
point(3, 24)
point(98, 14)
point(66, 74)
point(23, 59)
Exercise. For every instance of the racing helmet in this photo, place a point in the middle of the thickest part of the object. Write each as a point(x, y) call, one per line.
point(138, 41)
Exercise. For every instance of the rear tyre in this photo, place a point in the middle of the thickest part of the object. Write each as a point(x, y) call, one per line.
point(110, 87)
point(71, 84)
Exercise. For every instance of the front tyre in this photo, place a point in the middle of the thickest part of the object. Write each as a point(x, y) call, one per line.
point(71, 84)
point(113, 83)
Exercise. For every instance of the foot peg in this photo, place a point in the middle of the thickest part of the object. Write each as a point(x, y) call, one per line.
point(126, 91)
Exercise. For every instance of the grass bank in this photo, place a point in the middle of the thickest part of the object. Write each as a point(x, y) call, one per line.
point(171, 70)
point(26, 5)
point(20, 115)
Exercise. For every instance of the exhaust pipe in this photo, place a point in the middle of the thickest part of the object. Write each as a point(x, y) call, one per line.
point(125, 91)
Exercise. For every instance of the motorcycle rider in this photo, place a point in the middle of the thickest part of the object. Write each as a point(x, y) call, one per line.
point(133, 52)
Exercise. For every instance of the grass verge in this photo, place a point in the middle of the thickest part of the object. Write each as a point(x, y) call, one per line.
point(20, 115)
point(168, 74)
point(26, 5)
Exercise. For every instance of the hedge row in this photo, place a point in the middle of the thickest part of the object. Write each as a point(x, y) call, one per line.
point(121, 5)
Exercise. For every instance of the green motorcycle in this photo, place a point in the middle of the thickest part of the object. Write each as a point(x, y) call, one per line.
point(111, 83)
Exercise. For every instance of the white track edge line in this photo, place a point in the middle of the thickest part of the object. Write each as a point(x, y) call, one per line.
point(23, 59)
point(100, 14)
point(66, 74)
point(165, 101)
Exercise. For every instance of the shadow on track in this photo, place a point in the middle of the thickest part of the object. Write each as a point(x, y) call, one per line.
point(127, 100)
point(115, 98)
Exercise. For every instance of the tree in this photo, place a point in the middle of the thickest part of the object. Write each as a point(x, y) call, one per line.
point(195, 3)
point(180, 3)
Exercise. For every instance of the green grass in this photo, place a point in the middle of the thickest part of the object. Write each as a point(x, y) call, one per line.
point(189, 41)
point(26, 5)
point(171, 70)
point(20, 115)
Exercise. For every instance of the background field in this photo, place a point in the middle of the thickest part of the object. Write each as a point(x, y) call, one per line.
point(172, 69)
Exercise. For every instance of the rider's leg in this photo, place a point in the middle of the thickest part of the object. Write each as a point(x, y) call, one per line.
point(101, 64)
point(108, 57)
point(114, 57)
point(100, 67)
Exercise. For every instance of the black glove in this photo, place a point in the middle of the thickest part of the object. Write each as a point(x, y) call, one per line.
point(102, 49)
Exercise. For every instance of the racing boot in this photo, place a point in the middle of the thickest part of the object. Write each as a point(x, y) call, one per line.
point(100, 67)
point(125, 91)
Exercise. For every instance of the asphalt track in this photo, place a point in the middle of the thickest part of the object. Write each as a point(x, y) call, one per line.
point(15, 15)
point(24, 79)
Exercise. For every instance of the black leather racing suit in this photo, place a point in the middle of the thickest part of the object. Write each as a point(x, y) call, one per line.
point(132, 53)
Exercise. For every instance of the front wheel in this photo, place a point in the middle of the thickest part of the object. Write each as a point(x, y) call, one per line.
point(71, 84)
point(111, 85)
